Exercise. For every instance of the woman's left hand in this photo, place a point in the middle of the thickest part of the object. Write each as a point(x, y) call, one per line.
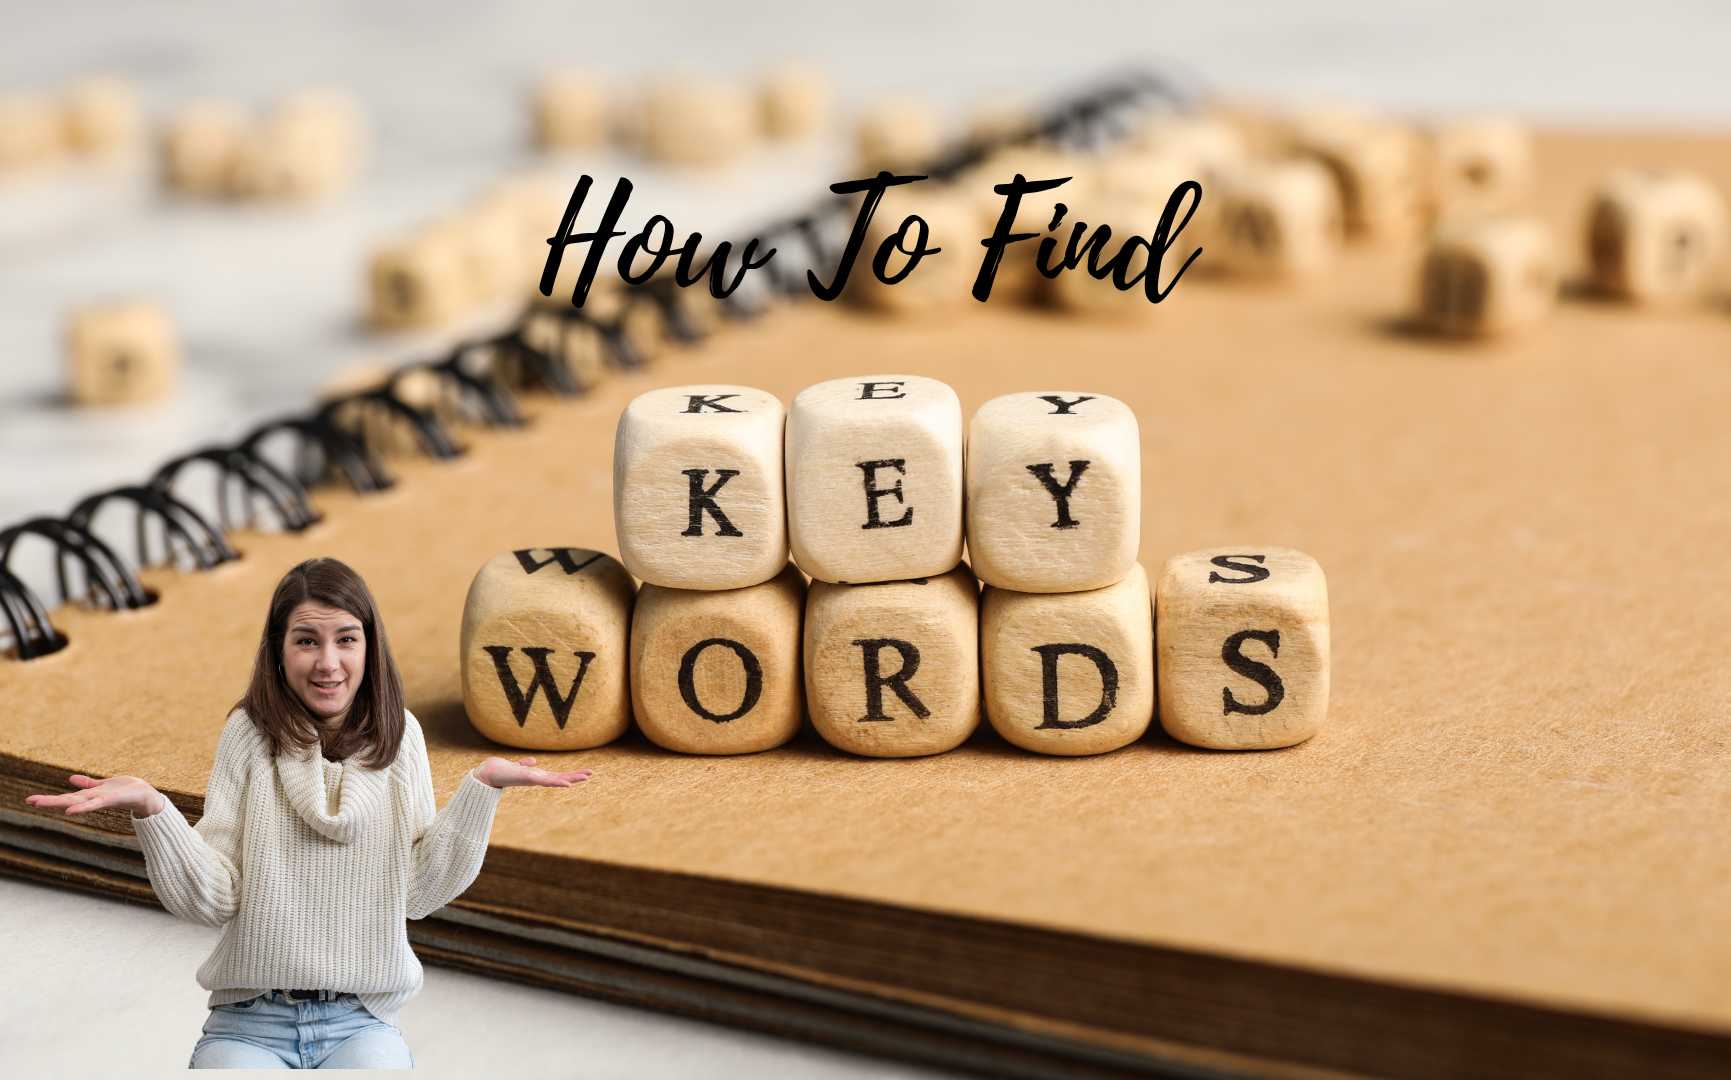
point(500, 773)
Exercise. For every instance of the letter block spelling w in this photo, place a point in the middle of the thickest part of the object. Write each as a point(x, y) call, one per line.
point(1054, 491)
point(1241, 647)
point(544, 649)
point(874, 479)
point(893, 669)
point(698, 497)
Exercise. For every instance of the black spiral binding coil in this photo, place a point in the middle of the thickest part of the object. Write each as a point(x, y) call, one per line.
point(474, 383)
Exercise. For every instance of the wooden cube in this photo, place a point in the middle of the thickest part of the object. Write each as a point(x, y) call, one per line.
point(198, 147)
point(899, 134)
point(874, 478)
point(719, 672)
point(1279, 219)
point(693, 122)
point(1054, 491)
point(1079, 292)
point(1375, 164)
point(698, 489)
point(1070, 673)
point(316, 138)
point(545, 649)
point(121, 353)
point(570, 111)
point(941, 281)
point(794, 102)
point(417, 282)
point(893, 670)
point(1655, 236)
point(102, 117)
point(1241, 646)
point(30, 132)
point(1480, 164)
point(1487, 276)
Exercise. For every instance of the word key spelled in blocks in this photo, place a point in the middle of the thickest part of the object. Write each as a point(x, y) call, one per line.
point(1487, 276)
point(1655, 236)
point(545, 646)
point(1241, 640)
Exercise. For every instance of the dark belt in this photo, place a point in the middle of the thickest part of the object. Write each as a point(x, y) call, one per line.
point(313, 995)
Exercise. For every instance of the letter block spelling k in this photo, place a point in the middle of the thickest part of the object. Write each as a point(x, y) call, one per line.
point(697, 487)
point(544, 649)
point(1241, 645)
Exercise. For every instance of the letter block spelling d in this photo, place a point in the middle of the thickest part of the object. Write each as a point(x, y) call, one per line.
point(893, 670)
point(1054, 491)
point(697, 487)
point(874, 479)
point(544, 649)
point(1070, 673)
point(1241, 644)
point(719, 672)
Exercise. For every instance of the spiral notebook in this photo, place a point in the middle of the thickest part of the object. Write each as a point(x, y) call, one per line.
point(1503, 854)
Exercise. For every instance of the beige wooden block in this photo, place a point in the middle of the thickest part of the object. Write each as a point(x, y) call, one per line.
point(719, 672)
point(1278, 219)
point(893, 669)
point(545, 649)
point(902, 135)
point(312, 141)
point(121, 353)
point(570, 111)
point(1487, 276)
point(489, 248)
point(102, 117)
point(794, 101)
point(874, 478)
point(1655, 236)
point(1482, 163)
point(940, 282)
point(697, 122)
point(1241, 646)
point(417, 282)
point(199, 144)
point(1376, 166)
point(1054, 491)
point(1070, 673)
point(577, 344)
point(698, 498)
point(30, 132)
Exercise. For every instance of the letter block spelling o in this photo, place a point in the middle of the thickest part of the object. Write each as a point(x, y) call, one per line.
point(1241, 640)
point(1054, 491)
point(1070, 673)
point(719, 672)
point(893, 670)
point(874, 479)
point(544, 649)
point(697, 487)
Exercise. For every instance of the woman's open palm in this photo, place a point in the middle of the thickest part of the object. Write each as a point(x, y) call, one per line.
point(501, 773)
point(114, 793)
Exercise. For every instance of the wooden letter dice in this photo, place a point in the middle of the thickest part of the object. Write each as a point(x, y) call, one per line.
point(719, 672)
point(1070, 673)
point(1375, 164)
point(697, 487)
point(1481, 163)
point(893, 670)
point(545, 648)
point(899, 134)
point(1487, 276)
point(874, 478)
point(570, 111)
point(199, 146)
point(1241, 640)
point(1655, 236)
point(418, 282)
point(1054, 492)
point(692, 122)
point(1279, 219)
point(102, 117)
point(793, 102)
point(121, 353)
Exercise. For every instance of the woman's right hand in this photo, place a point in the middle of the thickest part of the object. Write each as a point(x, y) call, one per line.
point(114, 793)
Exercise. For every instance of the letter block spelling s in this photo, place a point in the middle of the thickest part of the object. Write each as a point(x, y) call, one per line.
point(1241, 644)
point(697, 487)
point(544, 649)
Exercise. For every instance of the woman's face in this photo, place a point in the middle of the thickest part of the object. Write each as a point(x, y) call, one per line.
point(324, 655)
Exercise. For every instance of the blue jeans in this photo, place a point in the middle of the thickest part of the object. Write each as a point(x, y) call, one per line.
point(274, 1031)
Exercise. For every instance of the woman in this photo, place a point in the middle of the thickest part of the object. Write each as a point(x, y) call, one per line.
point(310, 861)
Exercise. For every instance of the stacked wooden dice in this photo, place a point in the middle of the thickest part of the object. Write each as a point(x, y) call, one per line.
point(891, 648)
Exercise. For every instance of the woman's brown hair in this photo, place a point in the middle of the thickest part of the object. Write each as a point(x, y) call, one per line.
point(375, 719)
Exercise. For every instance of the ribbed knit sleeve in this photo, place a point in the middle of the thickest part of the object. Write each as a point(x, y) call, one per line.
point(451, 844)
point(195, 869)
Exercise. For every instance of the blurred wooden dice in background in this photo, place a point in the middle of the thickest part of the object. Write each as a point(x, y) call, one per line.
point(1242, 647)
point(893, 670)
point(416, 282)
point(874, 478)
point(544, 652)
point(698, 487)
point(1655, 236)
point(793, 101)
point(198, 146)
point(687, 121)
point(121, 353)
point(1487, 276)
point(102, 117)
point(569, 111)
point(1278, 218)
point(30, 133)
point(1481, 164)
point(902, 135)
point(719, 672)
point(1376, 165)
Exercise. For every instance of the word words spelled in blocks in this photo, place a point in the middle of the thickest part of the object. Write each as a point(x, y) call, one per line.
point(545, 647)
point(1487, 276)
point(1242, 647)
point(1655, 236)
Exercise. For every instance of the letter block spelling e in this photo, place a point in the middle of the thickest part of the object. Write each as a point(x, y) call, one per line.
point(1241, 644)
point(874, 479)
point(697, 487)
point(893, 670)
point(1070, 673)
point(1054, 491)
point(718, 672)
point(544, 649)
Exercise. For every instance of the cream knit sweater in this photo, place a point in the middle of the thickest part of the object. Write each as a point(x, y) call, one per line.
point(310, 867)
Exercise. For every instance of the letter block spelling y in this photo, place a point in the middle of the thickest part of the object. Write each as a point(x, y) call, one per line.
point(1054, 491)
point(1241, 644)
point(544, 649)
point(874, 479)
point(697, 487)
